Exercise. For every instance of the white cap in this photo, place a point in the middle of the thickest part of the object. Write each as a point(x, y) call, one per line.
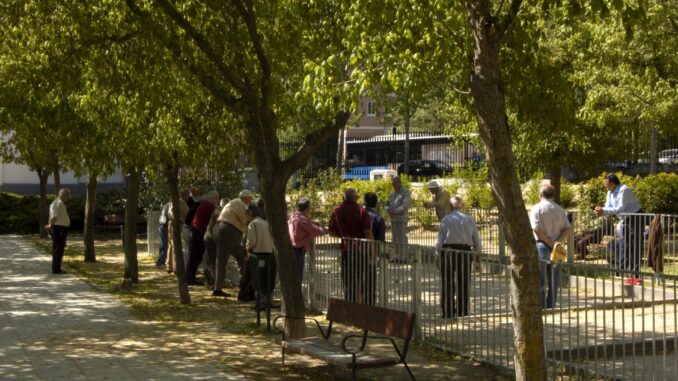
point(432, 184)
point(245, 193)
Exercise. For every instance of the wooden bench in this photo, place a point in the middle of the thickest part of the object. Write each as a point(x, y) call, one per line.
point(388, 324)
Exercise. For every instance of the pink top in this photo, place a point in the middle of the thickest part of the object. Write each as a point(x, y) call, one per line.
point(302, 230)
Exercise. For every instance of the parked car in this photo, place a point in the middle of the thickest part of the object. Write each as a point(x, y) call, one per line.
point(426, 168)
point(668, 156)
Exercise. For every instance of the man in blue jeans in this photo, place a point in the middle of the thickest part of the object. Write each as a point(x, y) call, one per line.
point(550, 225)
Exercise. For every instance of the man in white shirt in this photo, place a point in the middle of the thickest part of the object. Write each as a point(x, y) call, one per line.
point(457, 236)
point(260, 247)
point(59, 221)
point(398, 203)
point(550, 225)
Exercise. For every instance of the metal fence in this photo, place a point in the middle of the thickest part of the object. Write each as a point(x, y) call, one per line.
point(600, 326)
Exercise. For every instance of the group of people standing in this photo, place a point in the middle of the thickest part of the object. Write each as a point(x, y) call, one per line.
point(215, 229)
point(222, 229)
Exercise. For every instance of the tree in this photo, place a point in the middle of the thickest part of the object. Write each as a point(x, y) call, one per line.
point(249, 57)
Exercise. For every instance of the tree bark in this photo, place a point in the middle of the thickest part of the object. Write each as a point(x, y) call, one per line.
point(90, 204)
point(130, 232)
point(408, 117)
point(56, 168)
point(556, 182)
point(340, 151)
point(273, 191)
point(43, 209)
point(488, 94)
point(171, 175)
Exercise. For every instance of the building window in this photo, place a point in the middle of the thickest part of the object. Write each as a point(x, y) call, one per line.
point(371, 108)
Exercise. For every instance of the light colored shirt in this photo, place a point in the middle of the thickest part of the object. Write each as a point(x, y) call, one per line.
point(209, 234)
point(441, 203)
point(399, 202)
point(259, 238)
point(183, 210)
point(235, 213)
point(458, 228)
point(621, 200)
point(302, 230)
point(550, 218)
point(57, 209)
point(163, 213)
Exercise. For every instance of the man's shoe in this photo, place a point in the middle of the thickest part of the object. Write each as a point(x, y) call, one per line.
point(220, 293)
point(60, 272)
point(195, 282)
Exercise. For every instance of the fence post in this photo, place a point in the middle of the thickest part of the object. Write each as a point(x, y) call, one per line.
point(502, 239)
point(381, 277)
point(311, 281)
point(570, 241)
point(152, 223)
point(416, 290)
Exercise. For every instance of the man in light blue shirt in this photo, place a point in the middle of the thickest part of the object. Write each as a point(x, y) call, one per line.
point(621, 200)
point(398, 203)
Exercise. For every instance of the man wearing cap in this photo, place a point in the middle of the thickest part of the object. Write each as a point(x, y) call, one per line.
point(59, 221)
point(231, 225)
point(550, 225)
point(397, 206)
point(457, 235)
point(440, 200)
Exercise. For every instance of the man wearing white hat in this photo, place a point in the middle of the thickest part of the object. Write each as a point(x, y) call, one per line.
point(440, 200)
point(231, 225)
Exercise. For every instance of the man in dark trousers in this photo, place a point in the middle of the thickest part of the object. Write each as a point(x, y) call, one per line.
point(457, 236)
point(379, 233)
point(59, 221)
point(350, 220)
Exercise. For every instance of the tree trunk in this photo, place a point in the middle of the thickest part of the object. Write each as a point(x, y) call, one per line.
point(90, 204)
point(43, 209)
point(171, 174)
point(408, 117)
point(556, 182)
point(340, 151)
point(130, 234)
point(273, 191)
point(56, 168)
point(488, 94)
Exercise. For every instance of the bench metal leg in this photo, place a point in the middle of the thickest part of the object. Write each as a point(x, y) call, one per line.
point(282, 349)
point(409, 371)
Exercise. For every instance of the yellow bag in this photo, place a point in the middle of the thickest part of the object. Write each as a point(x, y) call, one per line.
point(559, 253)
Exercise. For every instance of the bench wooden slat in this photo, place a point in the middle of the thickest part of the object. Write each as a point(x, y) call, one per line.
point(324, 350)
point(374, 319)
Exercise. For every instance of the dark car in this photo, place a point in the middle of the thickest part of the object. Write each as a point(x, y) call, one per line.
point(426, 168)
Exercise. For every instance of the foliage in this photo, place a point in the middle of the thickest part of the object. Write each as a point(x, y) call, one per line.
point(20, 213)
point(476, 190)
point(658, 193)
point(110, 200)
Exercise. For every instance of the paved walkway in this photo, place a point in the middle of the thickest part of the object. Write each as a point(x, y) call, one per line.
point(56, 327)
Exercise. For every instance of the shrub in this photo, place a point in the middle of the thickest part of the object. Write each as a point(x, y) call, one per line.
point(658, 193)
point(20, 213)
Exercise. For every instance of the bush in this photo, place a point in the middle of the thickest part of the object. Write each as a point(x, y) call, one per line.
point(20, 213)
point(658, 193)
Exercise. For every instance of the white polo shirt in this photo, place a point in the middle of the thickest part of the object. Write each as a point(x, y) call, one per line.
point(58, 209)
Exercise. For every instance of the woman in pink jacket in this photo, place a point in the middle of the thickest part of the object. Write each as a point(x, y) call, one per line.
point(302, 230)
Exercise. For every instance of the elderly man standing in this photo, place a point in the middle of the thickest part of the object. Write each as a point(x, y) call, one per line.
point(59, 221)
point(302, 230)
point(397, 206)
point(440, 200)
point(550, 225)
point(457, 236)
point(231, 225)
point(198, 227)
point(350, 220)
point(621, 199)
